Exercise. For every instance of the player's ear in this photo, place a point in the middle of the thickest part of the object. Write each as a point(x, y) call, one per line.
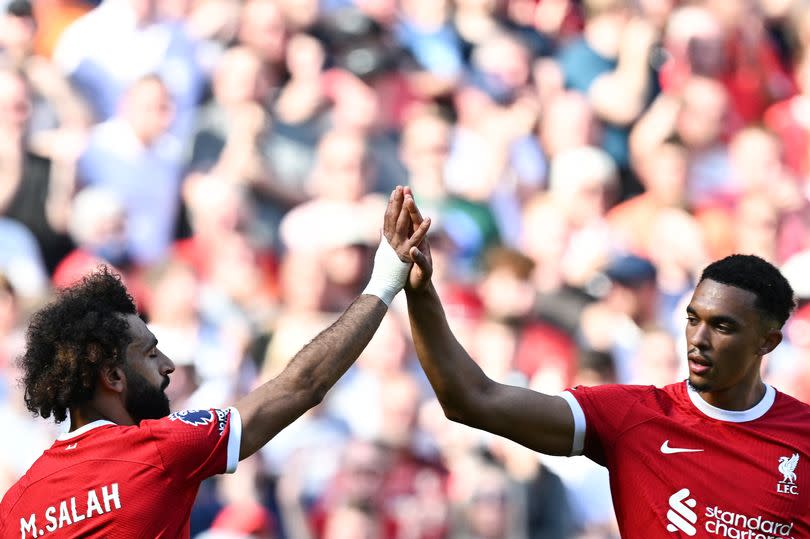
point(113, 378)
point(770, 340)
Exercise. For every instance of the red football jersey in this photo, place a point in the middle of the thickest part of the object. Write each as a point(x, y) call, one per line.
point(106, 480)
point(680, 467)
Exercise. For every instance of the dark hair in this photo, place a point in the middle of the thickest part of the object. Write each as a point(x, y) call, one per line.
point(749, 272)
point(20, 8)
point(69, 341)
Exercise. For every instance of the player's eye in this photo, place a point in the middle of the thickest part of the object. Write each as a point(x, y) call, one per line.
point(691, 320)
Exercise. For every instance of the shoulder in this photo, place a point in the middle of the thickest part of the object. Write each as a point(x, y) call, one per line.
point(624, 398)
point(10, 500)
point(608, 397)
point(195, 418)
point(791, 409)
point(627, 390)
point(188, 421)
point(14, 498)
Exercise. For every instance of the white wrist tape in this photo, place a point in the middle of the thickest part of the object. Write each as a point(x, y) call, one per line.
point(389, 274)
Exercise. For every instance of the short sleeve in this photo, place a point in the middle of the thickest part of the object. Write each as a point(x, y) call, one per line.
point(600, 417)
point(196, 444)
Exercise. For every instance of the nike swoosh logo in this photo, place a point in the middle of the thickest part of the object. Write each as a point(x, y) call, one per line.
point(71, 446)
point(665, 449)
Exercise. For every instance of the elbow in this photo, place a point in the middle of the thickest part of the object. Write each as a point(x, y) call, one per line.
point(453, 413)
point(453, 407)
point(316, 395)
point(308, 392)
point(464, 416)
point(465, 408)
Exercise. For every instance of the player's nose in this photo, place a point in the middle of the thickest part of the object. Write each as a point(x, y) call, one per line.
point(167, 366)
point(698, 336)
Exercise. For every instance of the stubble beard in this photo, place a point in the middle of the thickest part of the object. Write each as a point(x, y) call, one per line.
point(700, 387)
point(145, 401)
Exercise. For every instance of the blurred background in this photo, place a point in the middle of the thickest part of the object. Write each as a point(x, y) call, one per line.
point(582, 161)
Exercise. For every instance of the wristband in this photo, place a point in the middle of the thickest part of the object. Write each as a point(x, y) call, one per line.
point(389, 275)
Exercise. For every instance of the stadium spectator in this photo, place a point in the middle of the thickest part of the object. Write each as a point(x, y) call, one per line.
point(136, 157)
point(35, 191)
point(136, 44)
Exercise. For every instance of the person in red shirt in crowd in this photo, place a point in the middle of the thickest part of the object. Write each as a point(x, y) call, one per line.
point(730, 46)
point(128, 468)
point(790, 120)
point(720, 455)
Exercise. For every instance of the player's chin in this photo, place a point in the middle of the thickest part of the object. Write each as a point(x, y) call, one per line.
point(701, 384)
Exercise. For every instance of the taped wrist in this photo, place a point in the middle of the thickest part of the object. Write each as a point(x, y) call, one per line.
point(389, 274)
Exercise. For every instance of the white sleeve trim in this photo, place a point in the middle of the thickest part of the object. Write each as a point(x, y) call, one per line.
point(234, 440)
point(579, 423)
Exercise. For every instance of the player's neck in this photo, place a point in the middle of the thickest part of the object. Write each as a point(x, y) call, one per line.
point(93, 411)
point(738, 398)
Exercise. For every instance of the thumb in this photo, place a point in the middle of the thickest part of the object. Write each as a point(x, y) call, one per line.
point(420, 259)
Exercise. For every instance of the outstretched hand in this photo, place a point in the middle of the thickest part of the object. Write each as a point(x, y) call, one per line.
point(419, 253)
point(402, 233)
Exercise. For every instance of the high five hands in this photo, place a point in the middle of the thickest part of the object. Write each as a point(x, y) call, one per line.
point(406, 229)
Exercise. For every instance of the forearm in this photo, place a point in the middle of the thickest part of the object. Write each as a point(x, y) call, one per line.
point(329, 355)
point(316, 368)
point(654, 126)
point(455, 377)
point(619, 97)
point(310, 374)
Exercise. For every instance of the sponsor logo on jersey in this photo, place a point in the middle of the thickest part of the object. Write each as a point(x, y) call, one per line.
point(196, 418)
point(787, 467)
point(717, 521)
point(680, 514)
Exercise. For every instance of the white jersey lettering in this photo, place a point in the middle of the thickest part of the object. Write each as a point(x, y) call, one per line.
point(71, 512)
point(28, 526)
point(50, 516)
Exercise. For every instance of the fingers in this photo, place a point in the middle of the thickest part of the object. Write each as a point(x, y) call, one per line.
point(392, 212)
point(403, 219)
point(420, 233)
point(403, 224)
point(410, 205)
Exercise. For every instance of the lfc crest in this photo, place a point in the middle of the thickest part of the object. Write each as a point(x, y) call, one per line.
point(787, 467)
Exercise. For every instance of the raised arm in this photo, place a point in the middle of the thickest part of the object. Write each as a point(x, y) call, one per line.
point(315, 369)
point(540, 422)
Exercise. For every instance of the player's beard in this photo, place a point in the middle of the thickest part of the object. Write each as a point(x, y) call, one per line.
point(700, 388)
point(145, 401)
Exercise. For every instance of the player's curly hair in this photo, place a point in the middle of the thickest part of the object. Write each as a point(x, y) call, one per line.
point(774, 294)
point(69, 340)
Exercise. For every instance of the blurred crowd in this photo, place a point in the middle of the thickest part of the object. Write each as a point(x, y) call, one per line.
point(582, 160)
